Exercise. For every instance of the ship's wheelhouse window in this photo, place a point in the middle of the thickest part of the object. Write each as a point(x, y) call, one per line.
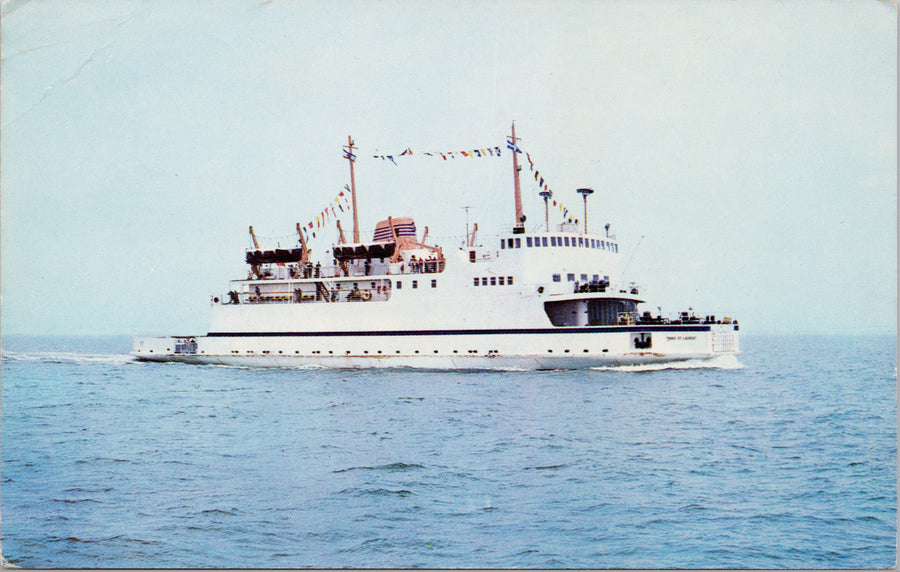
point(528, 242)
point(556, 278)
point(580, 241)
point(616, 248)
point(483, 281)
point(475, 281)
point(493, 280)
point(433, 283)
point(543, 241)
point(595, 277)
point(502, 244)
point(537, 241)
point(415, 283)
point(552, 241)
point(399, 285)
point(509, 242)
point(573, 245)
point(472, 253)
point(509, 280)
point(584, 277)
point(566, 239)
point(570, 277)
point(500, 281)
point(518, 243)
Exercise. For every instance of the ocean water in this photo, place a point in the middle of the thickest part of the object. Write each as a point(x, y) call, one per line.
point(782, 458)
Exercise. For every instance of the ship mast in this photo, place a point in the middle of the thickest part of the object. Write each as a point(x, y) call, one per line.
point(520, 217)
point(348, 154)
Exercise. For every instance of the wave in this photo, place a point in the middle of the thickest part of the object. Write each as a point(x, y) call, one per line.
point(67, 357)
point(729, 361)
point(391, 467)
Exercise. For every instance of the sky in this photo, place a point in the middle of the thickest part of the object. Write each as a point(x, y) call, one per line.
point(744, 153)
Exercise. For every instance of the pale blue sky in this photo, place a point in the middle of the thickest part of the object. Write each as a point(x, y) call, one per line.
point(752, 144)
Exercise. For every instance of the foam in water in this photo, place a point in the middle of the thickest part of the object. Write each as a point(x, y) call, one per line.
point(729, 361)
point(67, 357)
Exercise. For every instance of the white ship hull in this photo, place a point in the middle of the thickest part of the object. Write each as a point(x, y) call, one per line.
point(576, 348)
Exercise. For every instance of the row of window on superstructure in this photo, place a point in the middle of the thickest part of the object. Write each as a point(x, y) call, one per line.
point(555, 241)
point(584, 278)
point(493, 281)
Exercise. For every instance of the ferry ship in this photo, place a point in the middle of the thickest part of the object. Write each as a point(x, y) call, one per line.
point(548, 298)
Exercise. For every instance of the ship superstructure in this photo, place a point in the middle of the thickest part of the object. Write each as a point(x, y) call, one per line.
point(543, 299)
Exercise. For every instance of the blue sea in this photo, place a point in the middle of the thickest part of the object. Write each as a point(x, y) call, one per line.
point(784, 457)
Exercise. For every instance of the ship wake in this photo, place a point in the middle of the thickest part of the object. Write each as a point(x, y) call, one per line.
point(729, 361)
point(66, 357)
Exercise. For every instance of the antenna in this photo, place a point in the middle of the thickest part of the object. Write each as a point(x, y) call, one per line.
point(466, 208)
point(633, 252)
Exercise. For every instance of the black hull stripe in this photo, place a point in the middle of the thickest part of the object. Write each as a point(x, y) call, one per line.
point(589, 330)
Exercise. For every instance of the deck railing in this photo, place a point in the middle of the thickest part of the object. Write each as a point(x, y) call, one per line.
point(296, 296)
point(354, 270)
